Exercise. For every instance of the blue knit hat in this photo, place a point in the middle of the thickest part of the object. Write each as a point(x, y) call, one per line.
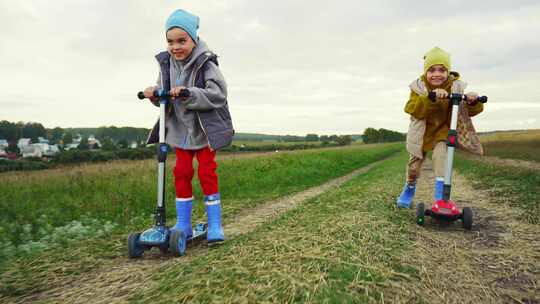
point(184, 20)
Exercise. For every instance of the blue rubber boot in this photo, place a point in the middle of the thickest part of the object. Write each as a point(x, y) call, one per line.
point(183, 216)
point(406, 196)
point(213, 211)
point(439, 185)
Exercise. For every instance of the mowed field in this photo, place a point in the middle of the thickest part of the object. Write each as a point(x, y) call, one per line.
point(317, 226)
point(524, 145)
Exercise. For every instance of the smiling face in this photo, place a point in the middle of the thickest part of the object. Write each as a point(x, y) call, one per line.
point(436, 75)
point(179, 43)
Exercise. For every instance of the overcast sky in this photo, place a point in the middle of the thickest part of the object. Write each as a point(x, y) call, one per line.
point(293, 67)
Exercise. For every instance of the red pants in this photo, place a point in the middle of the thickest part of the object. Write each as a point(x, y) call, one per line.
point(183, 172)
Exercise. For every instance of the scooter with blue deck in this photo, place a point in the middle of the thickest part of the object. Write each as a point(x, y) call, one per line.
point(160, 235)
point(445, 210)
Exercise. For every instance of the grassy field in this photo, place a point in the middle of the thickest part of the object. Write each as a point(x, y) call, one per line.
point(524, 145)
point(326, 234)
point(41, 200)
point(341, 247)
point(91, 208)
point(347, 245)
point(514, 187)
point(273, 142)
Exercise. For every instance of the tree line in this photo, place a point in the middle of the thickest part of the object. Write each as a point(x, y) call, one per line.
point(372, 135)
point(112, 135)
point(13, 131)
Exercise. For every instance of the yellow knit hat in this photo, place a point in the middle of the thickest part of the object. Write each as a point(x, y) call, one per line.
point(436, 56)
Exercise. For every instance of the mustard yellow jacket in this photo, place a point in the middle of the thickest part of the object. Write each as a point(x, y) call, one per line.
point(430, 121)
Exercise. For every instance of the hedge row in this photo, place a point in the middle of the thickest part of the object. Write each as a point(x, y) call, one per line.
point(274, 147)
point(80, 156)
point(74, 157)
point(19, 165)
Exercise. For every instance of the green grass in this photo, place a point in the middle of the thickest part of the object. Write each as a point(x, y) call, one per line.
point(122, 194)
point(341, 247)
point(516, 187)
point(256, 143)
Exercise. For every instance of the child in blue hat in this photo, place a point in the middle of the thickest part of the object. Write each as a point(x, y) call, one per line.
point(196, 126)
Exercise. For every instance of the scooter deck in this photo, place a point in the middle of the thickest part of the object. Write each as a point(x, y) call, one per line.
point(444, 210)
point(199, 233)
point(443, 216)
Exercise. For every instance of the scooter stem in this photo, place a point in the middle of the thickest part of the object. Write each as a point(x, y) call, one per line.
point(164, 99)
point(451, 143)
point(162, 157)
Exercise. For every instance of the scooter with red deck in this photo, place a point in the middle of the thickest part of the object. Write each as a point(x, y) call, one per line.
point(446, 210)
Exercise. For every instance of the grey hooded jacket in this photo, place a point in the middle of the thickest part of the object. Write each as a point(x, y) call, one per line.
point(203, 119)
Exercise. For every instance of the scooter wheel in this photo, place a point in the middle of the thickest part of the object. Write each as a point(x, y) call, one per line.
point(467, 219)
point(177, 243)
point(135, 250)
point(420, 212)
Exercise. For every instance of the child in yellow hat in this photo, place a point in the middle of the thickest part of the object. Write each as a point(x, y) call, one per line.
point(430, 121)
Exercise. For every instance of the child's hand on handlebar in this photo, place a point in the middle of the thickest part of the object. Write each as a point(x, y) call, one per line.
point(175, 92)
point(472, 98)
point(441, 93)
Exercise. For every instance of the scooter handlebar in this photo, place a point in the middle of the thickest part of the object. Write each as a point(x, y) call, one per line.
point(433, 96)
point(184, 93)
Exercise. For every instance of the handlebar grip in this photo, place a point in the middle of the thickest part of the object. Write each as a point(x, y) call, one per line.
point(184, 93)
point(432, 96)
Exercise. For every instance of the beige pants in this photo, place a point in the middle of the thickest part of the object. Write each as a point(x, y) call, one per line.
point(414, 167)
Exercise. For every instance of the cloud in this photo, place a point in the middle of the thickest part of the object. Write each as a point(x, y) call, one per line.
point(292, 67)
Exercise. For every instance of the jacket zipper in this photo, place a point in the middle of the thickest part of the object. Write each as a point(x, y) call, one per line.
point(197, 112)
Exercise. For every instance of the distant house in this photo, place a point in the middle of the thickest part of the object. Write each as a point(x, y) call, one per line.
point(7, 155)
point(132, 145)
point(68, 147)
point(49, 150)
point(4, 144)
point(42, 147)
point(40, 150)
point(77, 139)
point(93, 143)
point(31, 151)
point(46, 149)
point(43, 140)
point(53, 149)
point(23, 142)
